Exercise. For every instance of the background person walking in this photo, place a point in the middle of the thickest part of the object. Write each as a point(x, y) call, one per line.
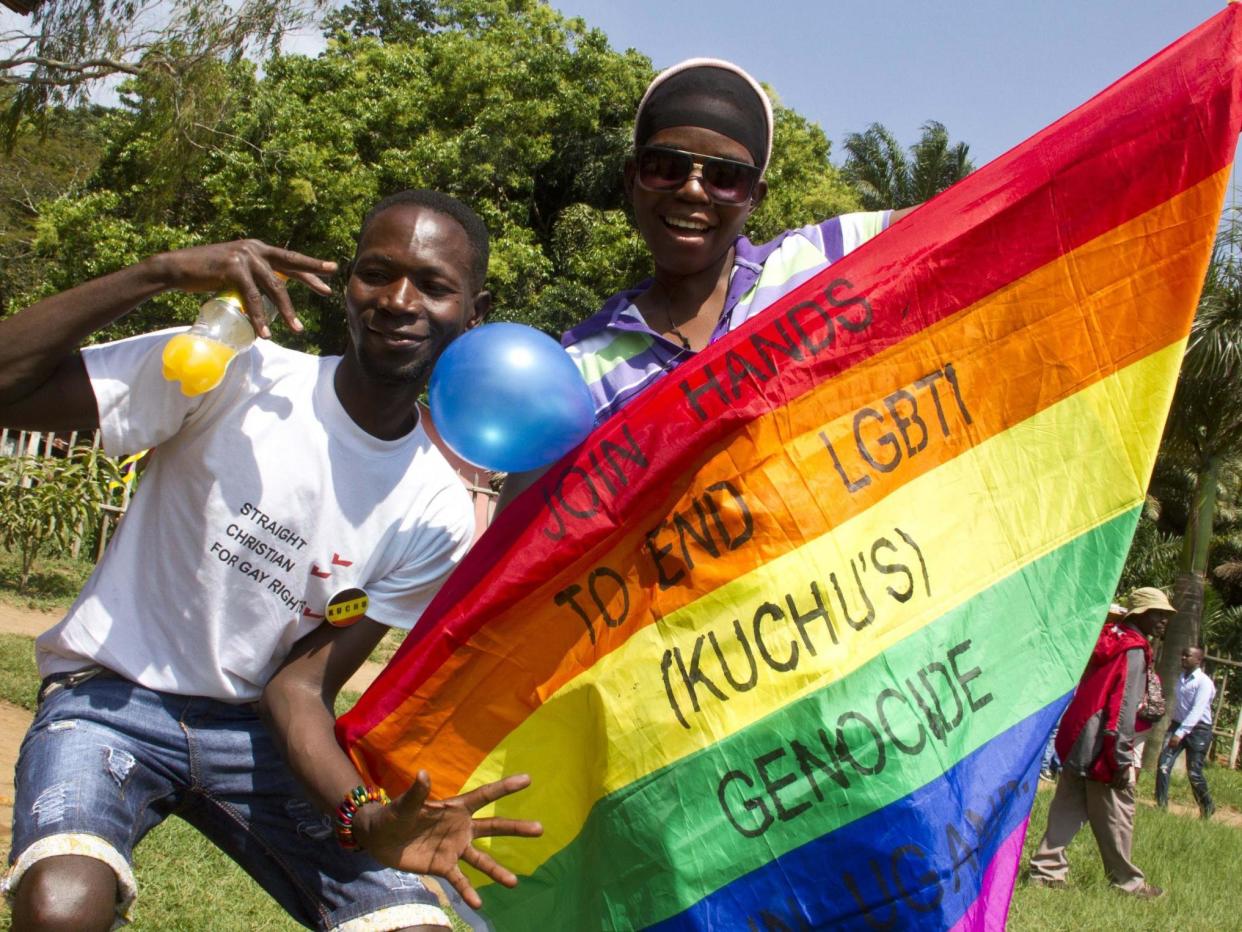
point(1191, 729)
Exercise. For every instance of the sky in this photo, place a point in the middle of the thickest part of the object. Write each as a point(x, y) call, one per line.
point(993, 71)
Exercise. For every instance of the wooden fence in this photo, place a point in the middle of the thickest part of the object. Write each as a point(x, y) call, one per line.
point(44, 443)
point(1229, 734)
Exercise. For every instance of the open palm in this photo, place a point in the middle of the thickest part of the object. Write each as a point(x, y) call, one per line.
point(427, 836)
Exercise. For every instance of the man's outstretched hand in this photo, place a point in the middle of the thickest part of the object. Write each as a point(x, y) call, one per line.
point(426, 836)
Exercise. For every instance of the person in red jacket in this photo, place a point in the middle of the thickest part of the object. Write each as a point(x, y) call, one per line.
point(1096, 746)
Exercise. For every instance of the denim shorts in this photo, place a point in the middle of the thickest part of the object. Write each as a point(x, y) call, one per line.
point(106, 760)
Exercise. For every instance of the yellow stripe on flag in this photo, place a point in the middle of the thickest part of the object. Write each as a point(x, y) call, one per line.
point(1027, 345)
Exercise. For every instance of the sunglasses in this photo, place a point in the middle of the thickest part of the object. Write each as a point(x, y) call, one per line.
point(724, 180)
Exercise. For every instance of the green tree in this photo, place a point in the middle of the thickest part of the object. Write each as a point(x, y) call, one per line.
point(1197, 482)
point(1222, 618)
point(42, 166)
point(67, 46)
point(1204, 432)
point(887, 177)
point(1155, 559)
point(520, 112)
point(523, 113)
point(386, 20)
point(1154, 553)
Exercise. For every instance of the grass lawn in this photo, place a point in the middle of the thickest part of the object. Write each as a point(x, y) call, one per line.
point(388, 646)
point(1196, 862)
point(19, 677)
point(186, 884)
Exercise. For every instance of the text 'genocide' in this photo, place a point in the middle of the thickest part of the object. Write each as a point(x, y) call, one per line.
point(923, 707)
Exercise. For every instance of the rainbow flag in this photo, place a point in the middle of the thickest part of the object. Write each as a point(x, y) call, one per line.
point(781, 643)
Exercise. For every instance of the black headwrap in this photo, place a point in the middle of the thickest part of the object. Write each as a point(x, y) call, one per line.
point(710, 96)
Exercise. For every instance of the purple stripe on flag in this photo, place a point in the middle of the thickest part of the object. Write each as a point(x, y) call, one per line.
point(990, 910)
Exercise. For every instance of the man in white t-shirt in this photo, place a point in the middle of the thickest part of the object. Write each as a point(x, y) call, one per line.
point(286, 520)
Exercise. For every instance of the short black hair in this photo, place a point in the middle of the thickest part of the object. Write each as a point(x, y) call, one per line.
point(467, 219)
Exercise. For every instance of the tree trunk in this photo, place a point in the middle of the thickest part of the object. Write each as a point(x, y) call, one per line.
point(1188, 587)
point(27, 567)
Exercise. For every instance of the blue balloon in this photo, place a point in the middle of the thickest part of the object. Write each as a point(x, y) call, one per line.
point(507, 397)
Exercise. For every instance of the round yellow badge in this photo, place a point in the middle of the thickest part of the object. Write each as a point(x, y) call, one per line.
point(346, 607)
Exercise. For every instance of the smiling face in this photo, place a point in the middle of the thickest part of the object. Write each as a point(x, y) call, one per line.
point(411, 291)
point(686, 232)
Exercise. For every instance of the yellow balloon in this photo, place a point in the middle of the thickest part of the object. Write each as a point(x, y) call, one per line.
point(196, 362)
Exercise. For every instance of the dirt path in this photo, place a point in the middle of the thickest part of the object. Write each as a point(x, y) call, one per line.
point(1226, 815)
point(13, 724)
point(15, 720)
point(27, 621)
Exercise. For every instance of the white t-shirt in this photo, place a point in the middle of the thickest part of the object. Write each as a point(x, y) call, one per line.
point(262, 499)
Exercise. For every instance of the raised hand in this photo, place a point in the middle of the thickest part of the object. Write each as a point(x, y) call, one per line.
point(253, 269)
point(425, 836)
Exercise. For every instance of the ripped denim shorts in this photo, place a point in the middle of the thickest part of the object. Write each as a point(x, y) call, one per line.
point(106, 760)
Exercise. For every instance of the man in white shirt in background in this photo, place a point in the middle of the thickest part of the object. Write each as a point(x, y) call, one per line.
point(1191, 729)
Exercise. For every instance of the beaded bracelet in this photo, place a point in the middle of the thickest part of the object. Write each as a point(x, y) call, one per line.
point(354, 800)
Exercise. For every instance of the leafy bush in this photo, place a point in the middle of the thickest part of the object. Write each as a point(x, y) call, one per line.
point(46, 501)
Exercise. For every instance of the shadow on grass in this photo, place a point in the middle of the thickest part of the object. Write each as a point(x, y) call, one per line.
point(54, 584)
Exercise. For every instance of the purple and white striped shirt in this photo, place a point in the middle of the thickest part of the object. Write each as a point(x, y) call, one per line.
point(619, 355)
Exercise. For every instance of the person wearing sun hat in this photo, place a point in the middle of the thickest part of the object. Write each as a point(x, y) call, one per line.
point(702, 144)
point(1147, 599)
point(1096, 745)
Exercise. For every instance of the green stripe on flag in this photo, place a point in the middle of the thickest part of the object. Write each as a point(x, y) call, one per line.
point(764, 791)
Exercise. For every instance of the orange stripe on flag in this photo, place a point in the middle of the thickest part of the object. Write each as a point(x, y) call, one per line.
point(971, 376)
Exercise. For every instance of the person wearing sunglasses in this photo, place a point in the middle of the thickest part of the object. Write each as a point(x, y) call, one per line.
point(702, 141)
